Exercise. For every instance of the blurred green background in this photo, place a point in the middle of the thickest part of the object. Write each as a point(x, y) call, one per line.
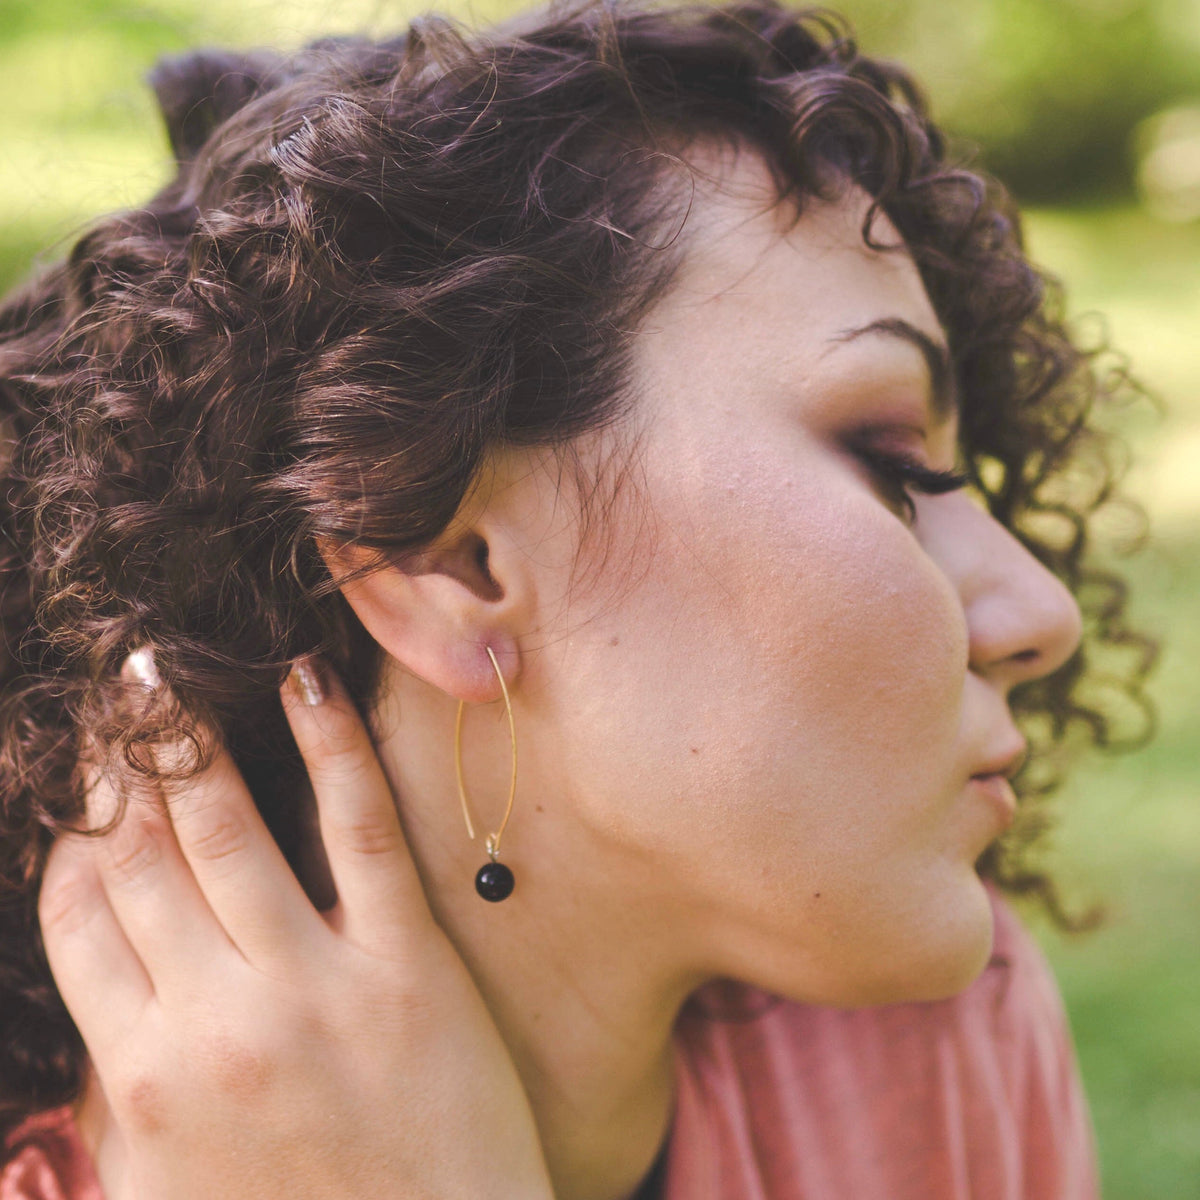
point(1090, 110)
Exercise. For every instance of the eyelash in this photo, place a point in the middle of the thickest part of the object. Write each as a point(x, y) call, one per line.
point(898, 473)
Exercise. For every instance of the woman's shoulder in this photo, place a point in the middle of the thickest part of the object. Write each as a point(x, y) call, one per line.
point(45, 1159)
point(978, 1094)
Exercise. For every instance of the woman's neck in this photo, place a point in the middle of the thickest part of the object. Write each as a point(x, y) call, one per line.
point(583, 982)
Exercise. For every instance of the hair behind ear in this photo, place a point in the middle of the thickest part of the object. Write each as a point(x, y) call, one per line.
point(198, 90)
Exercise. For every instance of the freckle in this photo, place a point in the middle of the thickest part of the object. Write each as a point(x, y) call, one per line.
point(539, 808)
point(614, 641)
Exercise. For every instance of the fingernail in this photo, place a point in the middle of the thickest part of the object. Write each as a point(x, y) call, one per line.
point(141, 665)
point(305, 681)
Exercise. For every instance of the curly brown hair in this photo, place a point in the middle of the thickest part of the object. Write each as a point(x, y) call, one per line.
point(378, 260)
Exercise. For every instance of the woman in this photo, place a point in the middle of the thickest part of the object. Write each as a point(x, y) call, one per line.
point(587, 405)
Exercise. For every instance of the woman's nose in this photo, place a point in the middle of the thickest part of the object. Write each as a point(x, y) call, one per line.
point(1022, 620)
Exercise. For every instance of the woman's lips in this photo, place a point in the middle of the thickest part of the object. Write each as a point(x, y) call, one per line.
point(999, 792)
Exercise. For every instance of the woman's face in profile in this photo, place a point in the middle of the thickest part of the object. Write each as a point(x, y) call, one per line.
point(758, 721)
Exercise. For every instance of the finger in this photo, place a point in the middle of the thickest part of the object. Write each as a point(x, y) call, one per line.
point(379, 891)
point(152, 891)
point(235, 861)
point(101, 978)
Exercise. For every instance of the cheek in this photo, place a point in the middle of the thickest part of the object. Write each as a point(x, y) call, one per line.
point(789, 642)
point(833, 608)
point(878, 627)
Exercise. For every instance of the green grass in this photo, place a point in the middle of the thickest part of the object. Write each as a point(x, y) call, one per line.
point(1130, 825)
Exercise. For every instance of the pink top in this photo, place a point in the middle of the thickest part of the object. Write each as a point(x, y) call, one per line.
point(973, 1098)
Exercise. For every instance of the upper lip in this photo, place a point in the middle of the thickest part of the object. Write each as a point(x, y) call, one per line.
point(1007, 764)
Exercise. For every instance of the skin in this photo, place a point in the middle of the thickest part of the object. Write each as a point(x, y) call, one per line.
point(747, 715)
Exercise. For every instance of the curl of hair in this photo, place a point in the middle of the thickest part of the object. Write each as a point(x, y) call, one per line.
point(378, 260)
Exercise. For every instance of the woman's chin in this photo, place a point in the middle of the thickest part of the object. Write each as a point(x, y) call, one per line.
point(948, 960)
point(928, 957)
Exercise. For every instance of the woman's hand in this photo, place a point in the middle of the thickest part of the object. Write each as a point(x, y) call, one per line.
point(248, 1045)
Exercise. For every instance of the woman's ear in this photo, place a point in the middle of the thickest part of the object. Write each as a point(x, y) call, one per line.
point(437, 611)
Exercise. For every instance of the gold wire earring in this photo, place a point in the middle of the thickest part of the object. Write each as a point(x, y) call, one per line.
point(494, 880)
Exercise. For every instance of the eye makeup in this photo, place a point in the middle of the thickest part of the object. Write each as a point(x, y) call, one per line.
point(898, 473)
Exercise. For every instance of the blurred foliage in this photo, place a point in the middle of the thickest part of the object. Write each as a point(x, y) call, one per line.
point(1052, 92)
point(1129, 830)
point(1169, 162)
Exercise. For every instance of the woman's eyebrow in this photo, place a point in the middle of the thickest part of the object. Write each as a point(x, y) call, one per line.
point(937, 358)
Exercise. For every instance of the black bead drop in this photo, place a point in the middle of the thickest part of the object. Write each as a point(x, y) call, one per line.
point(494, 881)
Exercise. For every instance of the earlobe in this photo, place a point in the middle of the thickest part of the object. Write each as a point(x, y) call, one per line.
point(437, 612)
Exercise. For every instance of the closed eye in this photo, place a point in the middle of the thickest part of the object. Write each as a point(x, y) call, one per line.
point(900, 475)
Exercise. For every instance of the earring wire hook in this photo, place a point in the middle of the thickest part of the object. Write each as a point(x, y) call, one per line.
point(492, 842)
